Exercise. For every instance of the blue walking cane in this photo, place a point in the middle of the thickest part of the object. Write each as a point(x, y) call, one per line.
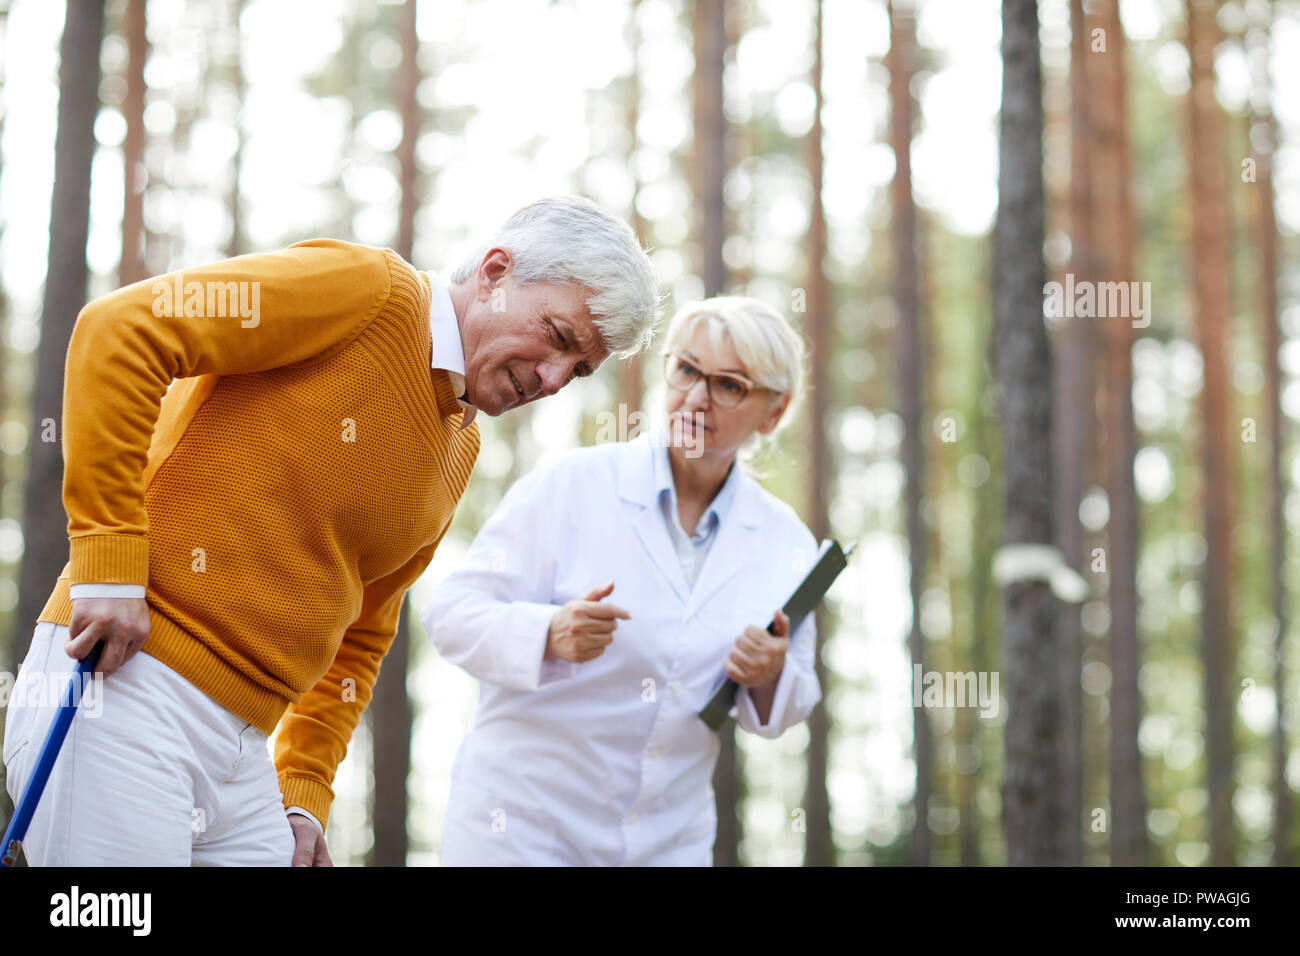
point(22, 818)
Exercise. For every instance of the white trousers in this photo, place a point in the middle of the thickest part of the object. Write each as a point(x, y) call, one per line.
point(153, 771)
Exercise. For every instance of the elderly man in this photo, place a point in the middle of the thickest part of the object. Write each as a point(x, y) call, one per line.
point(254, 527)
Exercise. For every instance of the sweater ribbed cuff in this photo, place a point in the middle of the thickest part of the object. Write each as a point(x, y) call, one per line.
point(109, 559)
point(312, 795)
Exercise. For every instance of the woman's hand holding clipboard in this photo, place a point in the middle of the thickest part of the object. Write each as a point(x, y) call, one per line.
point(831, 560)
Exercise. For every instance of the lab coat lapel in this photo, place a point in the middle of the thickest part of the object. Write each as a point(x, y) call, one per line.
point(636, 486)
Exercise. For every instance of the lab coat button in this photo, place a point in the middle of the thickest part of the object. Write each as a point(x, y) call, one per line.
point(653, 753)
point(631, 818)
point(676, 687)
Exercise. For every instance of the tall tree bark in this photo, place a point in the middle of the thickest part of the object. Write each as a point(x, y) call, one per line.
point(820, 848)
point(238, 243)
point(408, 81)
point(391, 713)
point(1210, 264)
point(710, 158)
point(983, 545)
point(1031, 793)
point(901, 63)
point(8, 650)
point(4, 300)
point(631, 379)
point(1075, 432)
point(132, 269)
point(1114, 225)
point(1264, 141)
point(45, 523)
point(709, 162)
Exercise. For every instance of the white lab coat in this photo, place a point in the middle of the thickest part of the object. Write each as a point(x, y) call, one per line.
point(606, 762)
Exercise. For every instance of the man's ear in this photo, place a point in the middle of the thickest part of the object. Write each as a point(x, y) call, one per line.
point(775, 410)
point(495, 266)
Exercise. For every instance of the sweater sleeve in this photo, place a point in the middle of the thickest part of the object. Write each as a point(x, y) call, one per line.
point(313, 735)
point(243, 315)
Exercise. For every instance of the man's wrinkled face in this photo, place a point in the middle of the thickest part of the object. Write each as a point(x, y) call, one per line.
point(523, 342)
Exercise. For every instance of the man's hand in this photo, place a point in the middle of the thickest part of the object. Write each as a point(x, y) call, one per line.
point(121, 623)
point(581, 629)
point(757, 658)
point(309, 849)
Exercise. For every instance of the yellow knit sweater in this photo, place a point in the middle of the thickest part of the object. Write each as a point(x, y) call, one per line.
point(302, 469)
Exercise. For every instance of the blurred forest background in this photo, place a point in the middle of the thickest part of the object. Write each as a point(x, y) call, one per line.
point(904, 179)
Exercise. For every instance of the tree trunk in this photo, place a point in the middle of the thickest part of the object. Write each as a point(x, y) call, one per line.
point(710, 140)
point(1210, 262)
point(709, 161)
point(1031, 799)
point(820, 849)
point(8, 641)
point(45, 523)
point(631, 378)
point(1076, 428)
point(901, 63)
point(983, 544)
point(5, 645)
point(408, 80)
point(1114, 224)
point(1264, 142)
point(390, 707)
point(132, 267)
point(237, 244)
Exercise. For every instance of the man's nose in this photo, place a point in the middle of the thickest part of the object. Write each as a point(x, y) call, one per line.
point(552, 378)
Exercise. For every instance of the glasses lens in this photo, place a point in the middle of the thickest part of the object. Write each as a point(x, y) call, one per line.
point(681, 374)
point(727, 391)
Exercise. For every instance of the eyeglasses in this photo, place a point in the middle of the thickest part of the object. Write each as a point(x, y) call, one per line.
point(723, 388)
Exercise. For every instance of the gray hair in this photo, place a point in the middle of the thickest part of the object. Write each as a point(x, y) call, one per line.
point(569, 239)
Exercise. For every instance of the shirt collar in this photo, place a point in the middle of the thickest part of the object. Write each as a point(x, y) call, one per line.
point(718, 508)
point(448, 351)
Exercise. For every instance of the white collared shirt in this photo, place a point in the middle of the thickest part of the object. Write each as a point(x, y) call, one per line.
point(448, 349)
point(606, 762)
point(693, 547)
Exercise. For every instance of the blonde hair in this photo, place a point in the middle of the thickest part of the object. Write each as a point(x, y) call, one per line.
point(772, 351)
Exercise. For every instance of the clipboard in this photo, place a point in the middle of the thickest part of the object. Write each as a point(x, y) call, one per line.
point(831, 560)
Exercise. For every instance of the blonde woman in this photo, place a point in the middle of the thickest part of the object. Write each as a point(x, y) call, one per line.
point(603, 599)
